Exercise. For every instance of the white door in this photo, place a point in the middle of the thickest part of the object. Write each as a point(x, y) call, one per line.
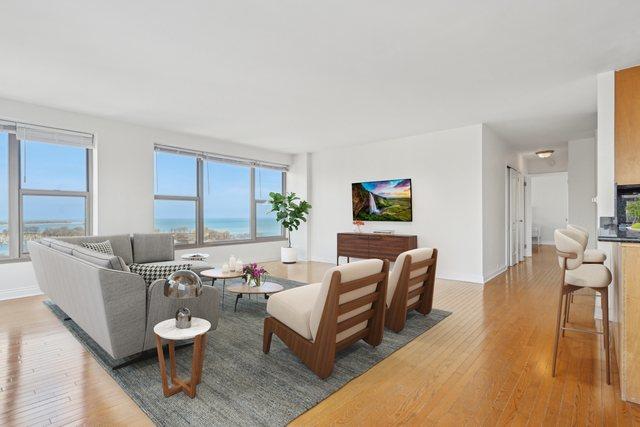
point(513, 235)
point(520, 216)
point(516, 232)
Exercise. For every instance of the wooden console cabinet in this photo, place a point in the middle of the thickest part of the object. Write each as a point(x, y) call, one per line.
point(373, 245)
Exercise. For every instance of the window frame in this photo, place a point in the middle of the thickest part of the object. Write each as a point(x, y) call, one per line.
point(201, 158)
point(17, 250)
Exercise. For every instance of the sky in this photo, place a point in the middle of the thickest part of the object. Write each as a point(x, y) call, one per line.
point(46, 167)
point(395, 188)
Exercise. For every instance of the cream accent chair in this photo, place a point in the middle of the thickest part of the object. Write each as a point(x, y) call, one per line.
point(577, 275)
point(591, 256)
point(411, 284)
point(318, 320)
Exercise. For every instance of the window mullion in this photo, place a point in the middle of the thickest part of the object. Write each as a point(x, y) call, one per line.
point(252, 201)
point(14, 197)
point(199, 204)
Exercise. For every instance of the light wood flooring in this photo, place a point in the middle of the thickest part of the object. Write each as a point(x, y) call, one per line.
point(488, 363)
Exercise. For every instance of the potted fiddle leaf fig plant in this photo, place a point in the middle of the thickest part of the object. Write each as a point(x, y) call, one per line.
point(291, 211)
point(633, 212)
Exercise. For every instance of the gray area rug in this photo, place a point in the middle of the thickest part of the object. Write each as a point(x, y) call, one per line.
point(240, 384)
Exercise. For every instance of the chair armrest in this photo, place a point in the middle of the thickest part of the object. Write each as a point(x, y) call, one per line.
point(569, 255)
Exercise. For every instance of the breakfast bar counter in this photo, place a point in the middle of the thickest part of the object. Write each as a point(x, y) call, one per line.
point(625, 266)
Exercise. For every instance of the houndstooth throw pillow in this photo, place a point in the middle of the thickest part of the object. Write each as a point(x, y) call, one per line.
point(152, 272)
point(102, 247)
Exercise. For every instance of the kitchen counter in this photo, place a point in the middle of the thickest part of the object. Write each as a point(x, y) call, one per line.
point(615, 234)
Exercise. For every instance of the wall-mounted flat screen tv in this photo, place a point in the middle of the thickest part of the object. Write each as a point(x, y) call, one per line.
point(388, 200)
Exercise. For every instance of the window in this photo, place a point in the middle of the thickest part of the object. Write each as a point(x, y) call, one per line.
point(227, 203)
point(267, 181)
point(176, 196)
point(208, 200)
point(4, 195)
point(45, 183)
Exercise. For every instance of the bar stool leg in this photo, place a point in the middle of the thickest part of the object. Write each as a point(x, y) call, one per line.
point(558, 325)
point(604, 293)
point(567, 304)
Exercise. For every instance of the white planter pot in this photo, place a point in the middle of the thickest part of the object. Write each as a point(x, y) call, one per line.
point(288, 255)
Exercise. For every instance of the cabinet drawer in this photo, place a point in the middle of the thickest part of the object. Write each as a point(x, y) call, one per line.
point(353, 246)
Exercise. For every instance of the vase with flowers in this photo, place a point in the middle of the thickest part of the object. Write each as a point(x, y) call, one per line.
point(358, 225)
point(254, 274)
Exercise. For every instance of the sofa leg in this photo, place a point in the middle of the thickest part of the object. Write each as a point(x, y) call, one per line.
point(268, 334)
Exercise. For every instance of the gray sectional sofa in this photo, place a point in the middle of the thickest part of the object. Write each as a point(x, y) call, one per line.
point(113, 306)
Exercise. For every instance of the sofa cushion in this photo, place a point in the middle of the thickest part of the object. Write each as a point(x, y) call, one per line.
point(152, 247)
point(59, 245)
point(102, 247)
point(293, 307)
point(120, 243)
point(112, 262)
point(152, 272)
point(196, 266)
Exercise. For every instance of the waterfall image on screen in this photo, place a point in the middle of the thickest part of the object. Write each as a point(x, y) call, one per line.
point(382, 200)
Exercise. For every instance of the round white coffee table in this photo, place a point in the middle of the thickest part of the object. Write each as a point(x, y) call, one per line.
point(266, 289)
point(167, 330)
point(217, 274)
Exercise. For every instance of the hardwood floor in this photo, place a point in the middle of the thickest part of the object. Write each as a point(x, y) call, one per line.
point(488, 363)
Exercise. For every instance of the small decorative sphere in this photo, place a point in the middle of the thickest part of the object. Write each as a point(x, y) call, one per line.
point(183, 284)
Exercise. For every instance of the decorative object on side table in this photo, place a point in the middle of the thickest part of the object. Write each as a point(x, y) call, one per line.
point(183, 284)
point(253, 274)
point(633, 211)
point(290, 211)
point(170, 332)
point(358, 225)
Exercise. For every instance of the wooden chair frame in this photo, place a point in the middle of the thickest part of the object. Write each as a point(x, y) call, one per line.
point(566, 292)
point(396, 317)
point(319, 355)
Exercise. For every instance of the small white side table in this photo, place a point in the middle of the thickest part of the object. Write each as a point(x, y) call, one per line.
point(198, 332)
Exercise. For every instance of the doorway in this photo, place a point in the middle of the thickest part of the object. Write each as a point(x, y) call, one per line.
point(549, 204)
point(516, 234)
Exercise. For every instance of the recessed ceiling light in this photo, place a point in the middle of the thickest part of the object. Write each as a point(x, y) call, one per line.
point(544, 153)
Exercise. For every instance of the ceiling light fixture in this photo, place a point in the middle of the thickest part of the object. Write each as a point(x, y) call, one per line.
point(544, 153)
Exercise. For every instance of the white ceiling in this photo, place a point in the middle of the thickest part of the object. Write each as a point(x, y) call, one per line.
point(303, 75)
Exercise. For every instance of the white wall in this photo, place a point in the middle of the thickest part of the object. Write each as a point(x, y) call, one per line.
point(549, 203)
point(446, 172)
point(124, 179)
point(583, 185)
point(299, 182)
point(496, 155)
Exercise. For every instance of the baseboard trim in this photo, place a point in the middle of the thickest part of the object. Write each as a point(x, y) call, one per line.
point(6, 294)
point(495, 274)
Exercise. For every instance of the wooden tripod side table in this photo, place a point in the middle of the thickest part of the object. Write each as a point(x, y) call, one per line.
point(198, 332)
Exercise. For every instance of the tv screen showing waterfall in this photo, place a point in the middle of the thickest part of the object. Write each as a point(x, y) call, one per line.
point(382, 200)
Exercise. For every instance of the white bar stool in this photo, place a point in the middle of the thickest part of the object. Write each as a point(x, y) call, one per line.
point(577, 275)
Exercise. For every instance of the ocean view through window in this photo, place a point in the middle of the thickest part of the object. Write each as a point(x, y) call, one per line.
point(45, 181)
point(205, 201)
